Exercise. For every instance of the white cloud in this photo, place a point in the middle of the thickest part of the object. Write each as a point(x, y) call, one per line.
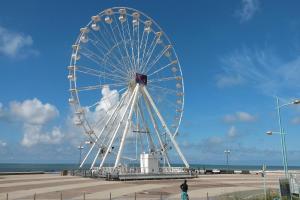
point(33, 111)
point(109, 99)
point(296, 120)
point(33, 134)
point(214, 140)
point(14, 44)
point(96, 116)
point(232, 132)
point(261, 69)
point(226, 81)
point(247, 10)
point(2, 143)
point(34, 117)
point(245, 117)
point(1, 110)
point(239, 116)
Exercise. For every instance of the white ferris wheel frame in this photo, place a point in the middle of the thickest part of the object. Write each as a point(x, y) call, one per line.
point(138, 90)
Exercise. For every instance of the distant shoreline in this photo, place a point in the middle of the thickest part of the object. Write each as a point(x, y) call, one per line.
point(29, 167)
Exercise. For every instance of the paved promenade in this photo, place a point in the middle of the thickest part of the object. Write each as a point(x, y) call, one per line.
point(51, 186)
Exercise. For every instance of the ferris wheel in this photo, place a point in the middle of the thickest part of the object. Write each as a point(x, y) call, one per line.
point(126, 88)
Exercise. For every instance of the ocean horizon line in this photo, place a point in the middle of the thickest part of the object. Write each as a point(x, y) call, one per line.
point(54, 167)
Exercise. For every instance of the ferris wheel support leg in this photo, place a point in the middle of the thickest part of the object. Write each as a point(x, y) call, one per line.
point(165, 127)
point(156, 131)
point(117, 129)
point(126, 127)
point(107, 122)
point(105, 126)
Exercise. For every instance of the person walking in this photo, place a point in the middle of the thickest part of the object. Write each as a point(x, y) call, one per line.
point(184, 188)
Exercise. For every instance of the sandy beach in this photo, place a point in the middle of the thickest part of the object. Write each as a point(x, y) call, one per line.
point(51, 186)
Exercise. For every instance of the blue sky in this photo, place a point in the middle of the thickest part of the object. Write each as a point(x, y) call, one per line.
point(235, 56)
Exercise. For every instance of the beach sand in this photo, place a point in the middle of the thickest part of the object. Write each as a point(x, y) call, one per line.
point(51, 186)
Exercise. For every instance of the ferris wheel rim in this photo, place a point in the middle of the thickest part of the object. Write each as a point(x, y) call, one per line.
point(78, 42)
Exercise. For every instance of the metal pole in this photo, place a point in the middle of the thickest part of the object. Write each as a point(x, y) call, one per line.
point(285, 152)
point(207, 196)
point(110, 196)
point(6, 196)
point(282, 139)
point(135, 196)
point(84, 196)
point(80, 155)
point(264, 180)
point(227, 152)
point(34, 196)
point(227, 162)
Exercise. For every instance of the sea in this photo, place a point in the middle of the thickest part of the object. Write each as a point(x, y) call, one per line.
point(29, 167)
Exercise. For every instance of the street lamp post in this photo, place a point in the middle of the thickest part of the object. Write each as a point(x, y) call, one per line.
point(227, 152)
point(80, 147)
point(282, 133)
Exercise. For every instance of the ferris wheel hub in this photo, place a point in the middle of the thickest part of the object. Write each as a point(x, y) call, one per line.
point(141, 79)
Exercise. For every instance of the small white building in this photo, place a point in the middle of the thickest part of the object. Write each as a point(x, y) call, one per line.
point(149, 163)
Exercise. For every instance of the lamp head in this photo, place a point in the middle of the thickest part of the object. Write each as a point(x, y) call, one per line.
point(297, 101)
point(269, 133)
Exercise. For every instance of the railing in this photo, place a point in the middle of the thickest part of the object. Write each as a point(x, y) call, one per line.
point(137, 170)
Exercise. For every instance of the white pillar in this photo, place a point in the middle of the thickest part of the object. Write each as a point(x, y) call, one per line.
point(126, 127)
point(117, 129)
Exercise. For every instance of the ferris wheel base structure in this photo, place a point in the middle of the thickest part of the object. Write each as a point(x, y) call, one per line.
point(149, 162)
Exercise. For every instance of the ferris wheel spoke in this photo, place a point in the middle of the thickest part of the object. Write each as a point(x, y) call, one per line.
point(165, 79)
point(123, 38)
point(114, 42)
point(96, 61)
point(163, 88)
point(148, 56)
point(94, 72)
point(114, 36)
point(95, 87)
point(157, 58)
point(139, 48)
point(98, 75)
point(162, 68)
point(107, 45)
point(98, 47)
point(101, 62)
point(103, 41)
point(92, 54)
point(144, 48)
point(109, 53)
point(164, 101)
point(138, 44)
point(131, 41)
